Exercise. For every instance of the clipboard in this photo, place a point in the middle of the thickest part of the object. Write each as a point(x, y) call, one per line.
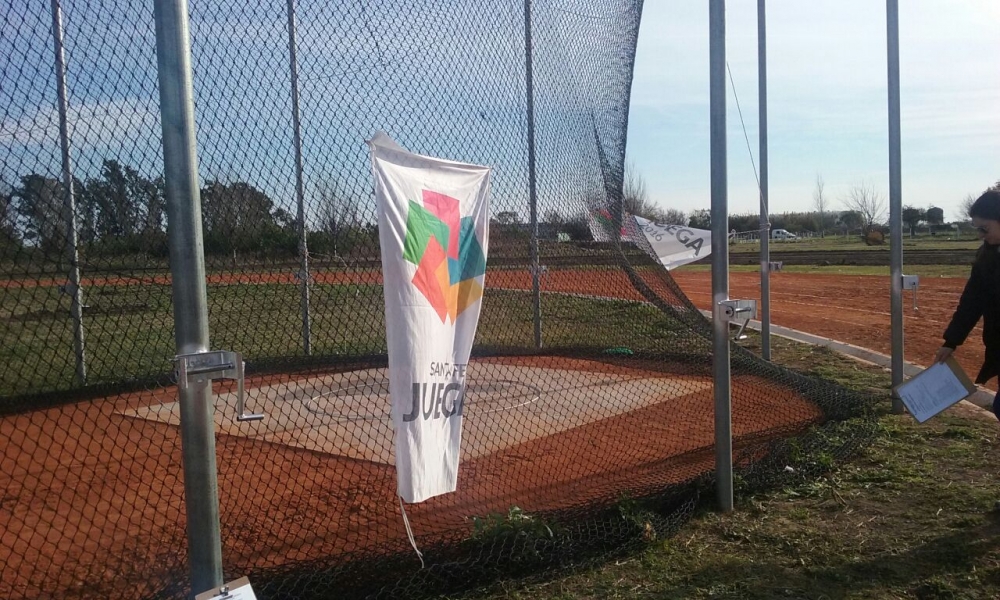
point(934, 389)
point(238, 589)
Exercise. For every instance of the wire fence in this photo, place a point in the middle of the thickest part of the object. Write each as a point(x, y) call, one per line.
point(594, 440)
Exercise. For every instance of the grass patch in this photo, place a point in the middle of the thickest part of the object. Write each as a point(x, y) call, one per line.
point(129, 329)
point(911, 517)
point(967, 240)
point(935, 271)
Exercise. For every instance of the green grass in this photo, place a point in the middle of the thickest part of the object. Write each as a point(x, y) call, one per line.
point(909, 518)
point(854, 242)
point(935, 271)
point(129, 329)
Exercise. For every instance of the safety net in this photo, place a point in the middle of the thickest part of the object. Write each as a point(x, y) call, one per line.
point(588, 419)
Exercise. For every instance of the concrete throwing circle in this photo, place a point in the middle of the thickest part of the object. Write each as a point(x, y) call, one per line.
point(338, 403)
point(347, 414)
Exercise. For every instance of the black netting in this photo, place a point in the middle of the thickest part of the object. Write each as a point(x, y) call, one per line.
point(595, 441)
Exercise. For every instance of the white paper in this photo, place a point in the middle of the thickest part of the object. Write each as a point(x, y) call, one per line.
point(932, 391)
point(235, 590)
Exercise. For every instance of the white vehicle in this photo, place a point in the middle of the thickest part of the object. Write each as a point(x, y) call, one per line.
point(783, 234)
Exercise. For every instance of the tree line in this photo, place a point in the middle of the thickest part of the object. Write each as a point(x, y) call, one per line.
point(122, 212)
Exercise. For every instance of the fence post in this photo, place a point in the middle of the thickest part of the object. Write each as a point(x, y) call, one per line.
point(187, 265)
point(536, 287)
point(720, 256)
point(69, 203)
point(895, 201)
point(299, 188)
point(765, 218)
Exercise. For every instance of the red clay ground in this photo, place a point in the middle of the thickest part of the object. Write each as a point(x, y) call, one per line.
point(854, 309)
point(847, 308)
point(92, 500)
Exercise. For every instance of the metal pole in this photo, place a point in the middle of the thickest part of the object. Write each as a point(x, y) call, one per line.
point(187, 264)
point(299, 188)
point(765, 226)
point(69, 203)
point(536, 286)
point(895, 201)
point(720, 257)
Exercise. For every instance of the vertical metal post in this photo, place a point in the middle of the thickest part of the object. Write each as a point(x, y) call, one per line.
point(69, 200)
point(187, 265)
point(720, 256)
point(895, 201)
point(765, 219)
point(536, 287)
point(299, 188)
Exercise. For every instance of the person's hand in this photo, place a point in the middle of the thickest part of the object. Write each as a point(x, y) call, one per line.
point(943, 354)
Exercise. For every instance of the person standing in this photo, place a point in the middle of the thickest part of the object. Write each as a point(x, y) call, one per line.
point(981, 297)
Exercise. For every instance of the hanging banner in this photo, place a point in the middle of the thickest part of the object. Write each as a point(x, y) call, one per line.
point(675, 245)
point(602, 225)
point(433, 224)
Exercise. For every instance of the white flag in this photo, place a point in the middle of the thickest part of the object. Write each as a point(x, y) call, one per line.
point(433, 220)
point(675, 245)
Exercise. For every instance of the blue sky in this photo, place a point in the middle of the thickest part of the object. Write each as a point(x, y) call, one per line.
point(827, 95)
point(827, 101)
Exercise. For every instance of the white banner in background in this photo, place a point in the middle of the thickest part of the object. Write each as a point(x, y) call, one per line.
point(433, 224)
point(675, 245)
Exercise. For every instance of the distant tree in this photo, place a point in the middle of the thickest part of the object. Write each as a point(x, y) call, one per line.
point(637, 201)
point(673, 216)
point(339, 216)
point(236, 216)
point(966, 205)
point(554, 217)
point(865, 200)
point(507, 217)
point(8, 217)
point(634, 194)
point(913, 217)
point(40, 204)
point(935, 216)
point(744, 222)
point(156, 206)
point(850, 219)
point(820, 202)
point(700, 219)
point(121, 203)
point(575, 226)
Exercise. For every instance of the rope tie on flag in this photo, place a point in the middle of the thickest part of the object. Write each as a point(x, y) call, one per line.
point(409, 532)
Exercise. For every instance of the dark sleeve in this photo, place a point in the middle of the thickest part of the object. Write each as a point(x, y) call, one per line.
point(970, 309)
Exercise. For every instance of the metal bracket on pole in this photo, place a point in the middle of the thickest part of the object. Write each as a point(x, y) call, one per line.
point(739, 310)
point(203, 367)
point(912, 282)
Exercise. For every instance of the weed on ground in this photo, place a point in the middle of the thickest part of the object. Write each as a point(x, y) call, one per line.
point(910, 517)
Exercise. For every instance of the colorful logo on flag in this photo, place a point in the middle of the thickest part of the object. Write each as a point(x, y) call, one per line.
point(604, 218)
point(448, 255)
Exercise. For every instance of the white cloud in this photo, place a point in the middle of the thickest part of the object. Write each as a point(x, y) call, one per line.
point(92, 124)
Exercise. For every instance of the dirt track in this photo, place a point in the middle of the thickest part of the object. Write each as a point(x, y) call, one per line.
point(847, 308)
point(854, 309)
